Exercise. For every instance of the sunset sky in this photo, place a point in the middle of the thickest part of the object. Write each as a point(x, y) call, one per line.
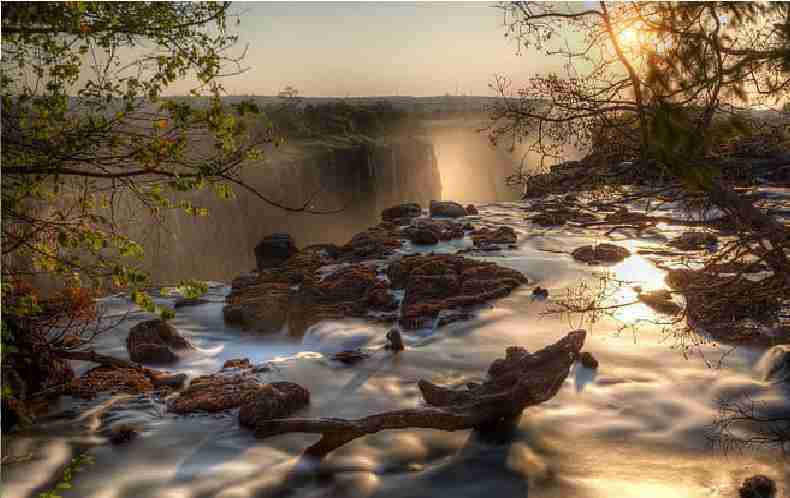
point(376, 49)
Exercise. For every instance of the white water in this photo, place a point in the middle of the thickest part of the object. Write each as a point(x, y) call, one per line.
point(633, 428)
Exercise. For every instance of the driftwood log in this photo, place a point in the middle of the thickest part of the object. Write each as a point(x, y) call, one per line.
point(520, 380)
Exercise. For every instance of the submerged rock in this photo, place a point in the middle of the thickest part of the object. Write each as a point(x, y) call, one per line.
point(351, 356)
point(271, 401)
point(661, 301)
point(440, 282)
point(447, 209)
point(155, 341)
point(502, 235)
point(758, 486)
point(690, 241)
point(274, 249)
point(601, 253)
point(405, 210)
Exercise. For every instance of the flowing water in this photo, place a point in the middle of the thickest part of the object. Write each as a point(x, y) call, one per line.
point(636, 427)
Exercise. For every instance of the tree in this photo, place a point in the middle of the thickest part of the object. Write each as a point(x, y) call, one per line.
point(89, 136)
point(649, 82)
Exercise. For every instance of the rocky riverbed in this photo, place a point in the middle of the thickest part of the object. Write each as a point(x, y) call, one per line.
point(305, 334)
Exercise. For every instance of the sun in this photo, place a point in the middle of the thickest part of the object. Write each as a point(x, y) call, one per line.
point(629, 37)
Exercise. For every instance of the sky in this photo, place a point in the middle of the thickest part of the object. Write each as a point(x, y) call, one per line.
point(376, 49)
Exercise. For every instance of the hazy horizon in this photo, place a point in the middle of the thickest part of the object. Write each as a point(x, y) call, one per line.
point(409, 49)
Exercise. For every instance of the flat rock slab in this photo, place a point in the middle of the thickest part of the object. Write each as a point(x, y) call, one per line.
point(601, 253)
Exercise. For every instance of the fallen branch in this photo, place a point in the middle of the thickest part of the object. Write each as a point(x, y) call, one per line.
point(520, 380)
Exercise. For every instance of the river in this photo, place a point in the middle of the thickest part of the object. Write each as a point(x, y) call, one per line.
point(635, 428)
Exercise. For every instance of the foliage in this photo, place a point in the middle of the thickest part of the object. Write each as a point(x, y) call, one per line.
point(77, 464)
point(631, 65)
point(90, 143)
point(297, 121)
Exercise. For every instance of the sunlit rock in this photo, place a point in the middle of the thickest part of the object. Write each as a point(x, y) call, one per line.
point(155, 341)
point(690, 241)
point(601, 253)
point(405, 210)
point(271, 401)
point(447, 209)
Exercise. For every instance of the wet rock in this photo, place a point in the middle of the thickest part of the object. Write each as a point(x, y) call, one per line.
point(690, 241)
point(167, 380)
point(601, 253)
point(350, 357)
point(189, 301)
point(374, 243)
point(447, 209)
point(440, 282)
point(328, 250)
point(109, 379)
point(623, 215)
point(244, 281)
point(155, 341)
point(379, 299)
point(216, 392)
point(423, 236)
point(661, 301)
point(273, 250)
point(272, 401)
point(406, 210)
point(758, 486)
point(558, 216)
point(540, 293)
point(123, 433)
point(588, 360)
point(502, 235)
point(239, 363)
point(395, 340)
point(471, 210)
point(776, 364)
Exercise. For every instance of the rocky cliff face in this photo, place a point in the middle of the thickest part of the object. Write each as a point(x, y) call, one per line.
point(362, 178)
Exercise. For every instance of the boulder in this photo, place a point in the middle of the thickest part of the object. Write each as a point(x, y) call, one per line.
point(690, 241)
point(447, 209)
point(155, 341)
point(502, 235)
point(273, 250)
point(405, 210)
point(758, 486)
point(423, 236)
point(216, 392)
point(601, 253)
point(444, 282)
point(273, 401)
point(776, 364)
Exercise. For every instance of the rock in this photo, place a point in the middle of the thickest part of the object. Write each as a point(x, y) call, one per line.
point(405, 210)
point(374, 243)
point(328, 250)
point(351, 356)
point(395, 340)
point(623, 215)
point(273, 250)
point(661, 301)
point(272, 401)
point(540, 293)
point(189, 301)
point(471, 210)
point(216, 392)
point(758, 486)
point(776, 364)
point(601, 253)
point(379, 299)
point(108, 379)
point(440, 282)
point(588, 360)
point(239, 363)
point(502, 235)
point(171, 381)
point(690, 241)
point(423, 236)
point(155, 341)
point(123, 433)
point(447, 209)
point(560, 215)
